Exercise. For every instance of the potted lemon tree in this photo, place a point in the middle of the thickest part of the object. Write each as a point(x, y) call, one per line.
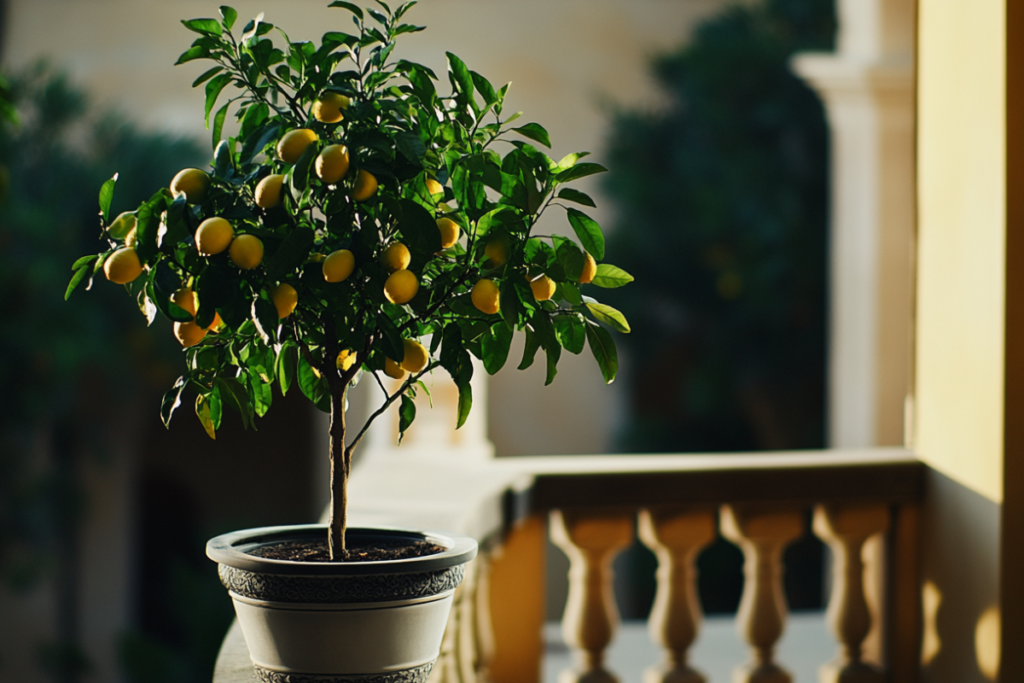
point(357, 224)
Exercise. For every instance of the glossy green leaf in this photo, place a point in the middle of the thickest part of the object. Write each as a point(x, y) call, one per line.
point(484, 87)
point(228, 16)
point(419, 228)
point(76, 279)
point(530, 350)
point(610, 277)
point(406, 415)
point(203, 413)
point(207, 75)
point(218, 124)
point(608, 315)
point(291, 253)
point(588, 231)
point(313, 385)
point(171, 401)
point(465, 403)
point(571, 333)
point(391, 338)
point(284, 367)
point(603, 347)
point(411, 147)
point(354, 9)
point(193, 53)
point(208, 27)
point(107, 196)
point(571, 195)
point(579, 171)
point(461, 78)
point(235, 395)
point(495, 346)
point(536, 132)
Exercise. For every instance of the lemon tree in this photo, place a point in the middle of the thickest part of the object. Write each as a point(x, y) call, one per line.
point(356, 221)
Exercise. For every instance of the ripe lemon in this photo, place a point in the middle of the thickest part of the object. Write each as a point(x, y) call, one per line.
point(496, 252)
point(543, 288)
point(213, 236)
point(193, 182)
point(434, 187)
point(285, 299)
point(339, 265)
point(401, 286)
point(122, 225)
point(246, 252)
point(589, 269)
point(332, 163)
point(397, 257)
point(185, 299)
point(217, 322)
point(345, 359)
point(122, 266)
point(393, 369)
point(366, 186)
point(131, 239)
point(485, 296)
point(268, 191)
point(294, 143)
point(450, 232)
point(188, 334)
point(328, 108)
point(416, 356)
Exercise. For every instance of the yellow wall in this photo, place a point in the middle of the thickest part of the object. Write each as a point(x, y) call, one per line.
point(962, 220)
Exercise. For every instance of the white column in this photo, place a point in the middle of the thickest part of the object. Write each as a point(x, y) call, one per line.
point(867, 88)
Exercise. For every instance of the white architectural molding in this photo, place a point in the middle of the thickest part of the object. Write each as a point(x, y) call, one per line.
point(868, 90)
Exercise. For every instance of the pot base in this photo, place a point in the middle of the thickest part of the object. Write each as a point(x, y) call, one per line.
point(418, 674)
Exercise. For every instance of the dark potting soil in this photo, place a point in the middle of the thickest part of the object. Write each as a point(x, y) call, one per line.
point(316, 551)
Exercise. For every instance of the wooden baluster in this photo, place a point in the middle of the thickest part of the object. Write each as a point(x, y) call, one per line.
point(845, 529)
point(676, 539)
point(591, 542)
point(762, 535)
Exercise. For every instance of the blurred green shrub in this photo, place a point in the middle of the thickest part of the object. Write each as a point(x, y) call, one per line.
point(722, 198)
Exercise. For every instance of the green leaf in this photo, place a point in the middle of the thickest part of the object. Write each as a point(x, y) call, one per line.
point(284, 367)
point(177, 226)
point(465, 402)
point(106, 196)
point(354, 9)
point(392, 339)
point(603, 347)
point(484, 87)
point(207, 75)
point(461, 78)
point(406, 415)
point(84, 260)
point(171, 401)
point(571, 333)
point(264, 314)
point(536, 132)
point(213, 90)
point(76, 279)
point(203, 413)
point(291, 254)
point(546, 334)
point(589, 233)
point(147, 226)
point(206, 27)
point(572, 195)
point(419, 228)
point(569, 257)
point(495, 346)
point(300, 172)
point(411, 147)
point(223, 159)
point(610, 277)
point(228, 16)
point(314, 386)
point(218, 124)
point(608, 315)
point(193, 53)
point(234, 394)
point(530, 350)
point(579, 171)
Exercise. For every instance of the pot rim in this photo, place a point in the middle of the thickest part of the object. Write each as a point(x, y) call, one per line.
point(229, 549)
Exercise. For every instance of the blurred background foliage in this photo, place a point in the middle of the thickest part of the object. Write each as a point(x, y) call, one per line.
point(79, 370)
point(721, 196)
point(722, 203)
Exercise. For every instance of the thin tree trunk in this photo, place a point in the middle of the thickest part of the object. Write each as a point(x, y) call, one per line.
point(340, 466)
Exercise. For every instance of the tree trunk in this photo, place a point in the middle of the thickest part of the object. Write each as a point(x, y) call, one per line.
point(340, 465)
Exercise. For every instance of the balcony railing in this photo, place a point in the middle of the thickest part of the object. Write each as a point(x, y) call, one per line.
point(865, 508)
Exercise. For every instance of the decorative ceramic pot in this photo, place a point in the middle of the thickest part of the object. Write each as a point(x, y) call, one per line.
point(345, 622)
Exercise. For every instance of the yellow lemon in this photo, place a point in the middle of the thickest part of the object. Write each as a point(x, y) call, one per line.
point(401, 286)
point(285, 299)
point(450, 232)
point(393, 369)
point(332, 163)
point(416, 356)
point(131, 239)
point(397, 257)
point(268, 191)
point(346, 359)
point(217, 322)
point(246, 252)
point(294, 143)
point(122, 225)
point(185, 299)
point(496, 251)
point(193, 182)
point(122, 266)
point(188, 334)
point(543, 288)
point(366, 186)
point(589, 269)
point(328, 108)
point(485, 296)
point(434, 187)
point(339, 265)
point(213, 236)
